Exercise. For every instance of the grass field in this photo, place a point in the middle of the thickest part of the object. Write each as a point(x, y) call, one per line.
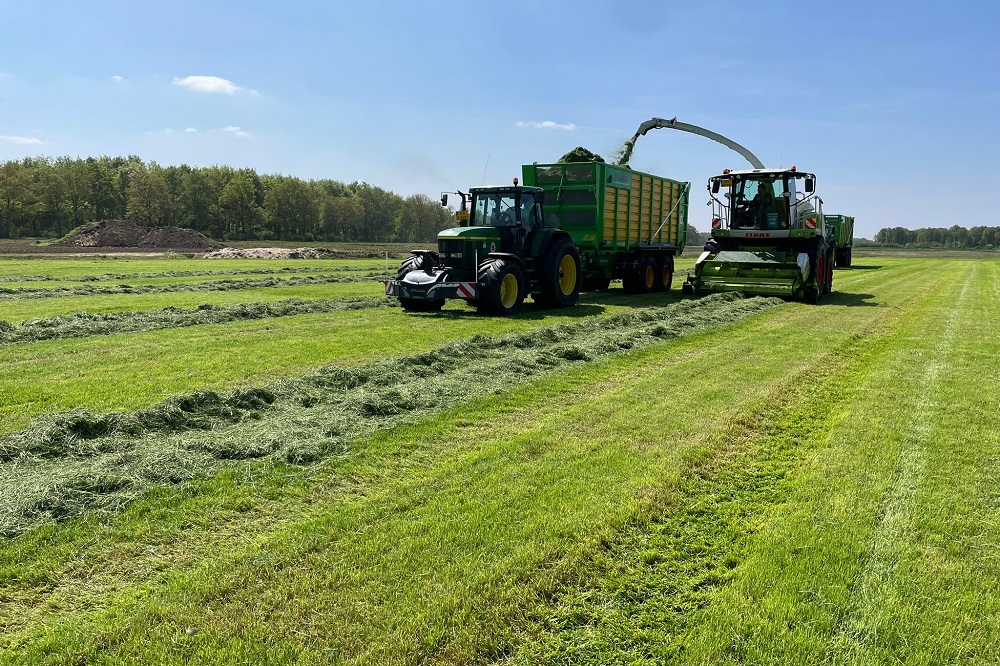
point(633, 480)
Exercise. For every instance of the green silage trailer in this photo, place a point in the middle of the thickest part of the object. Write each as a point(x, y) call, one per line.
point(843, 238)
point(627, 224)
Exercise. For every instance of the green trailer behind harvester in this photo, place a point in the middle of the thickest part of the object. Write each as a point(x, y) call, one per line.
point(570, 226)
point(843, 238)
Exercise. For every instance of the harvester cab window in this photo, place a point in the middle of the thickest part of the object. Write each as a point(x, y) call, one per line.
point(760, 204)
point(495, 210)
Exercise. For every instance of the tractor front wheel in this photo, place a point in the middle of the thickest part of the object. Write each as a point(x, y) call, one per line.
point(501, 287)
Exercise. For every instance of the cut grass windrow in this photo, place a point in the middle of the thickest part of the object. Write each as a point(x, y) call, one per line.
point(110, 277)
point(85, 324)
point(66, 465)
point(7, 294)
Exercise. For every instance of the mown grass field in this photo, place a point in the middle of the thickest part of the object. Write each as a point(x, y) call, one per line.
point(209, 477)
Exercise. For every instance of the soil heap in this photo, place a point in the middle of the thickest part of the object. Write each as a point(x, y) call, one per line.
point(272, 253)
point(126, 233)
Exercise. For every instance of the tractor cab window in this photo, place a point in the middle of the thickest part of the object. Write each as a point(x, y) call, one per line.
point(495, 210)
point(528, 211)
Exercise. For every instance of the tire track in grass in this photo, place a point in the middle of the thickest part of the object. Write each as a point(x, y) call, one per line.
point(639, 597)
point(858, 631)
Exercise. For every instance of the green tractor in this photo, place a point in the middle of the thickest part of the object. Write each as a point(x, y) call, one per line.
point(769, 236)
point(503, 250)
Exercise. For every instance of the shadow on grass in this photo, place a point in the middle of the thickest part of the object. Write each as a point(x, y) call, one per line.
point(849, 298)
point(860, 268)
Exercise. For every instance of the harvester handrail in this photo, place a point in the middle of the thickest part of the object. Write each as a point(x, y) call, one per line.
point(687, 186)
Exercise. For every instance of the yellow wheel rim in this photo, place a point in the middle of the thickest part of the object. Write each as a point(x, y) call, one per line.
point(508, 290)
point(567, 275)
point(667, 275)
point(650, 277)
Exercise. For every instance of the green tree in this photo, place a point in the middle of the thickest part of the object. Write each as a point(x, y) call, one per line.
point(240, 204)
point(291, 209)
point(147, 196)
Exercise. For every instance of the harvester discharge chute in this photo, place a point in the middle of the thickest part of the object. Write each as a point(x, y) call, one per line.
point(768, 237)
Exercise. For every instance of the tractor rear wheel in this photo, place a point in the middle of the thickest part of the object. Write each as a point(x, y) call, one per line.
point(559, 275)
point(664, 273)
point(501, 287)
point(639, 274)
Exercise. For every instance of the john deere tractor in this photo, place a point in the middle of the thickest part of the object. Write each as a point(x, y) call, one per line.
point(768, 237)
point(503, 250)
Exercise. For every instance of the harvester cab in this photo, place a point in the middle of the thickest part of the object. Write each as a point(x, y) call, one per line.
point(768, 236)
point(502, 250)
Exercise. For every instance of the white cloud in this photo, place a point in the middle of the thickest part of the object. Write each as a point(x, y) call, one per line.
point(547, 124)
point(208, 84)
point(21, 140)
point(117, 79)
point(235, 131)
point(191, 130)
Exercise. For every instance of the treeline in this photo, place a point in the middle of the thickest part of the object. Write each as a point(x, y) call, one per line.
point(46, 197)
point(982, 238)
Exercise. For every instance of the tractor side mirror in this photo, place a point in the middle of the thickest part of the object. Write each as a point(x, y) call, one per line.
point(444, 199)
point(810, 185)
point(715, 187)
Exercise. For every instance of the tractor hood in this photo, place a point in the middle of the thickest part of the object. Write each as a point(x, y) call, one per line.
point(470, 233)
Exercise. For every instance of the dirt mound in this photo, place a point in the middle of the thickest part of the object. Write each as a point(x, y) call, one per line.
point(126, 233)
point(272, 253)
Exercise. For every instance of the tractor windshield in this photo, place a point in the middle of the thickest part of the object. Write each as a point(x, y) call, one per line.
point(498, 209)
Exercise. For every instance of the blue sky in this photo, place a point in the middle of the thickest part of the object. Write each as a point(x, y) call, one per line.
point(894, 105)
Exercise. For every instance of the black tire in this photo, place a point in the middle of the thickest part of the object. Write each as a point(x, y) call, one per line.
point(849, 258)
point(416, 262)
point(664, 273)
point(595, 283)
point(497, 277)
point(814, 292)
point(560, 275)
point(639, 274)
point(829, 273)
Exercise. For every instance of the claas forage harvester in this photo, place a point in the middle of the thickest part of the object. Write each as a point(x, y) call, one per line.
point(769, 236)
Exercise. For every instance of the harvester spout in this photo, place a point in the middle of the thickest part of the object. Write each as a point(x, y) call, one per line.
point(673, 123)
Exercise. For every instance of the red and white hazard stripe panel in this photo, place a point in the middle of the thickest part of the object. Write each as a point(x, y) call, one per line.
point(390, 289)
point(466, 290)
point(810, 223)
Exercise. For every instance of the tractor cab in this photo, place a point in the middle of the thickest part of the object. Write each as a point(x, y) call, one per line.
point(493, 220)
